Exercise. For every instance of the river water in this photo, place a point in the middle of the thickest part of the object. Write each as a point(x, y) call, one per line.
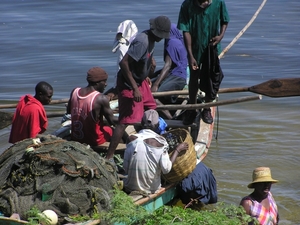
point(58, 41)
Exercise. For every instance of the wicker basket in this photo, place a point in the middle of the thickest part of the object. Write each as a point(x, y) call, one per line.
point(186, 161)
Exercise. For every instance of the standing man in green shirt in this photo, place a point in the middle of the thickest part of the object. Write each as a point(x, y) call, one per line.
point(202, 22)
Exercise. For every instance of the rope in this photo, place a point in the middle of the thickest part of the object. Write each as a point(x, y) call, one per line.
point(217, 122)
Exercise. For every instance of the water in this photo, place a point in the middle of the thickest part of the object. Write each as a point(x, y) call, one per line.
point(58, 41)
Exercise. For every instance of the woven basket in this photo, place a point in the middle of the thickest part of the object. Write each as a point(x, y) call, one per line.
point(186, 161)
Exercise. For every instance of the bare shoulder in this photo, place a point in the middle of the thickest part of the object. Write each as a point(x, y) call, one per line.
point(246, 203)
point(102, 100)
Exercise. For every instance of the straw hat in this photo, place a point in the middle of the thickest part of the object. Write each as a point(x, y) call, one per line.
point(261, 174)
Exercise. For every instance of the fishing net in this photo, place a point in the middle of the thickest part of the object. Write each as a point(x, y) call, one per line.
point(52, 173)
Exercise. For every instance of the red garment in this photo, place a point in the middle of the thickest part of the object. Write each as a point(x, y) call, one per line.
point(29, 120)
point(85, 128)
point(130, 111)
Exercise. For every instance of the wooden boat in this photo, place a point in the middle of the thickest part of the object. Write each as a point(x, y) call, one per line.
point(11, 221)
point(168, 192)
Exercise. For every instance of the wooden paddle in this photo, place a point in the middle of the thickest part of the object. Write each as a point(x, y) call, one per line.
point(284, 87)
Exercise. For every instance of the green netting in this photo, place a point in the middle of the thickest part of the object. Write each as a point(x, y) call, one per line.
point(65, 176)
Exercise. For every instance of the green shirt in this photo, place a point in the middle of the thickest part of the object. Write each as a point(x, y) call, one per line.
point(202, 24)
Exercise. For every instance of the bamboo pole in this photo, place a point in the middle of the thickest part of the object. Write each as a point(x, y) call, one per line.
point(243, 30)
point(14, 105)
point(6, 117)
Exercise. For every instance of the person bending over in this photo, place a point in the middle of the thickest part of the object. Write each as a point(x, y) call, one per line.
point(146, 156)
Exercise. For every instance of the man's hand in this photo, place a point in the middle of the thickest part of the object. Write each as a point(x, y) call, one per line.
point(182, 147)
point(149, 81)
point(137, 95)
point(215, 40)
point(193, 63)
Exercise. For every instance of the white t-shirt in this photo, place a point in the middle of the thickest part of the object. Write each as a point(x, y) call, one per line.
point(144, 163)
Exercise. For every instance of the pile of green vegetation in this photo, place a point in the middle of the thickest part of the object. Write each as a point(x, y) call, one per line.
point(124, 211)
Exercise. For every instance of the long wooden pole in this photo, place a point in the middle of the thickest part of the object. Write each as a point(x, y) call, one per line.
point(242, 31)
point(210, 104)
point(168, 107)
point(6, 117)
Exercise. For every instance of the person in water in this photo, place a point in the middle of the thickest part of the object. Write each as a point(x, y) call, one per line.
point(260, 204)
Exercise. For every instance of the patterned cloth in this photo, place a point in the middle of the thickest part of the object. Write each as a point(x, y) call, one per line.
point(264, 216)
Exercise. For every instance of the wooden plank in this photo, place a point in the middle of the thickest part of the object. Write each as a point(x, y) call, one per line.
point(204, 137)
point(179, 124)
point(156, 200)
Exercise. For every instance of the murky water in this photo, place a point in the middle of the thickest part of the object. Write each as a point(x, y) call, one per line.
point(58, 41)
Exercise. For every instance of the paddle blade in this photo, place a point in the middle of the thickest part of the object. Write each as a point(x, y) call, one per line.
point(278, 87)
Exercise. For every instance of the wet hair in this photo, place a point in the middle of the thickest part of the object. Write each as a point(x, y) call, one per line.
point(43, 87)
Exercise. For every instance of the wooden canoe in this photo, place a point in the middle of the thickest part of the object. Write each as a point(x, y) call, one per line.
point(167, 192)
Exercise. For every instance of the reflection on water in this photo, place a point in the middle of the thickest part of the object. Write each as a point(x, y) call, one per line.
point(59, 41)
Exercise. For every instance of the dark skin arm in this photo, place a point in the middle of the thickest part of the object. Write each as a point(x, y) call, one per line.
point(102, 108)
point(188, 44)
point(152, 68)
point(246, 204)
point(181, 147)
point(69, 103)
point(124, 65)
point(218, 38)
point(163, 74)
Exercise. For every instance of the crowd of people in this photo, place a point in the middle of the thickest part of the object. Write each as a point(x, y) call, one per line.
point(193, 43)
